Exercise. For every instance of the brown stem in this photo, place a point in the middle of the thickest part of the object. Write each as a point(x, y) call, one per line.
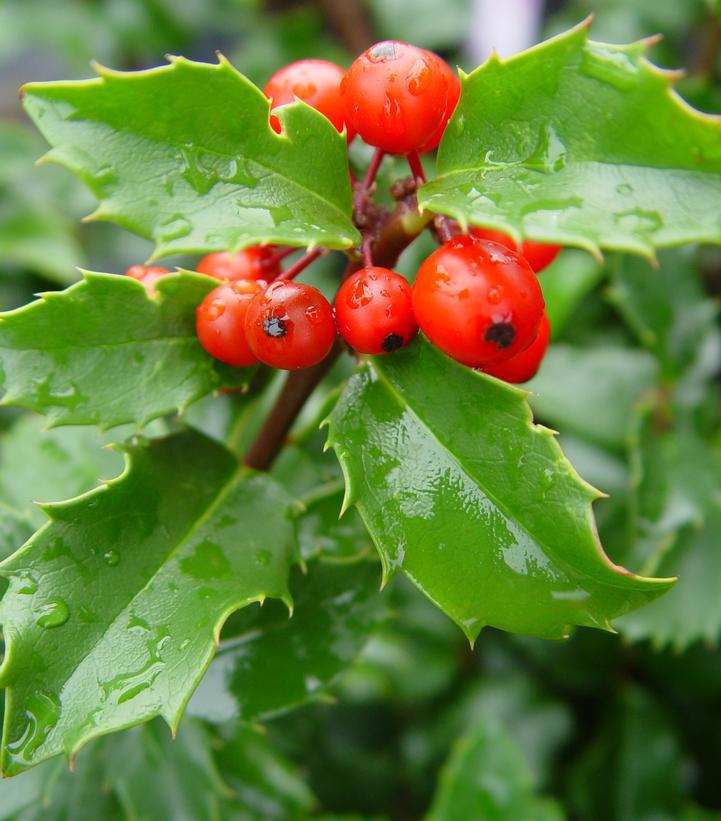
point(297, 388)
point(349, 20)
point(301, 264)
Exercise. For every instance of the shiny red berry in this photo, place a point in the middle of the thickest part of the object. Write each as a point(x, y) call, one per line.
point(255, 262)
point(454, 95)
point(478, 301)
point(148, 275)
point(538, 255)
point(524, 365)
point(220, 322)
point(290, 325)
point(373, 311)
point(396, 96)
point(316, 82)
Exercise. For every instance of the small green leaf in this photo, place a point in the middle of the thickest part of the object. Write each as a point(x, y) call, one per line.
point(580, 143)
point(184, 155)
point(676, 519)
point(270, 664)
point(264, 784)
point(486, 777)
point(475, 503)
point(113, 607)
point(37, 238)
point(157, 776)
point(103, 352)
point(667, 308)
point(42, 466)
point(591, 392)
point(321, 532)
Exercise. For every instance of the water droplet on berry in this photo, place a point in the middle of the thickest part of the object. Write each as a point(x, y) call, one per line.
point(214, 310)
point(304, 90)
point(53, 614)
point(382, 52)
point(360, 294)
point(495, 295)
point(314, 314)
point(419, 78)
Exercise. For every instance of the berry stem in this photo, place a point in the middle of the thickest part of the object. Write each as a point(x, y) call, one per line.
point(362, 191)
point(279, 255)
point(301, 264)
point(366, 250)
point(416, 166)
point(297, 388)
point(442, 224)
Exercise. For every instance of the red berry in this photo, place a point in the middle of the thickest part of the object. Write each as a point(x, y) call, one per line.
point(373, 311)
point(524, 365)
point(396, 96)
point(478, 301)
point(220, 322)
point(316, 82)
point(454, 95)
point(148, 275)
point(251, 263)
point(538, 255)
point(290, 325)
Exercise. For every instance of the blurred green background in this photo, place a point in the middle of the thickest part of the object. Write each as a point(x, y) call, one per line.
point(608, 726)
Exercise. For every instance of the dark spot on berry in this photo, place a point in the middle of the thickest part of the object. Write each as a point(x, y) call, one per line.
point(501, 334)
point(274, 326)
point(382, 52)
point(392, 342)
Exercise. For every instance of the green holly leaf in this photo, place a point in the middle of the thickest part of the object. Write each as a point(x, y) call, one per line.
point(103, 352)
point(635, 767)
point(322, 533)
point(151, 565)
point(269, 664)
point(157, 776)
point(44, 465)
point(265, 785)
point(676, 519)
point(583, 144)
point(591, 392)
point(37, 238)
point(668, 310)
point(184, 155)
point(475, 503)
point(486, 777)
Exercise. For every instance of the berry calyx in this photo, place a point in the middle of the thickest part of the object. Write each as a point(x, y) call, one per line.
point(524, 366)
point(256, 262)
point(316, 82)
point(290, 325)
point(538, 255)
point(373, 311)
point(477, 301)
point(148, 275)
point(454, 95)
point(396, 96)
point(220, 322)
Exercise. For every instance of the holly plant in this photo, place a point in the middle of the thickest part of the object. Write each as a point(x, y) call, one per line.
point(222, 388)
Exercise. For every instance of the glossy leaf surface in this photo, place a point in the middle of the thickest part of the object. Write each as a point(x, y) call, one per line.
point(583, 144)
point(269, 664)
point(475, 503)
point(103, 352)
point(168, 160)
point(152, 563)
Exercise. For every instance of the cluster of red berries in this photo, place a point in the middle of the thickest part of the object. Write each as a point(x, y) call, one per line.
point(397, 97)
point(476, 298)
